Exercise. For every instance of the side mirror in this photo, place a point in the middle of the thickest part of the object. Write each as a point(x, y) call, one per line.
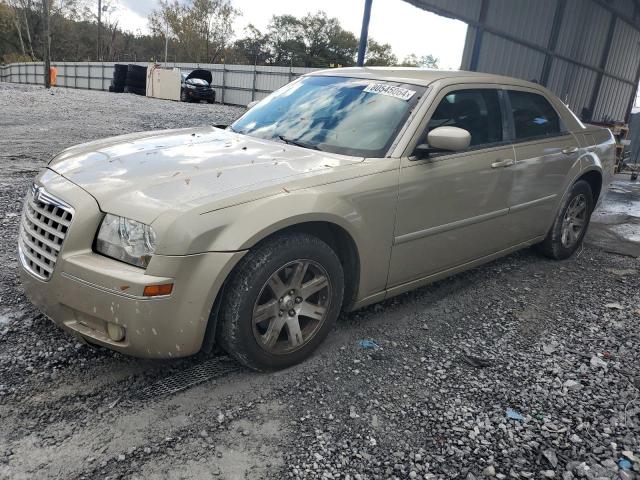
point(444, 139)
point(250, 105)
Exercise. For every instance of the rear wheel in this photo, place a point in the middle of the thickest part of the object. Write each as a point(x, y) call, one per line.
point(281, 302)
point(571, 224)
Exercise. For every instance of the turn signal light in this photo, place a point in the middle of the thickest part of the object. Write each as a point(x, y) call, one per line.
point(157, 290)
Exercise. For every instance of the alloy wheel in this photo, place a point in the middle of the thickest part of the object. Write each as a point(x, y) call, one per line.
point(575, 219)
point(292, 306)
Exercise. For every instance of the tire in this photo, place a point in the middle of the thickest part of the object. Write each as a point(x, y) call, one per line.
point(183, 96)
point(574, 213)
point(275, 342)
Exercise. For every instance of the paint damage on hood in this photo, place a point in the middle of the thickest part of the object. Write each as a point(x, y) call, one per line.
point(144, 174)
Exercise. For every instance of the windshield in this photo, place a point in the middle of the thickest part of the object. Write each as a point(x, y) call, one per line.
point(342, 115)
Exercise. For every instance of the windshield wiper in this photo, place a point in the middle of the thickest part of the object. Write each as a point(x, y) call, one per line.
point(298, 143)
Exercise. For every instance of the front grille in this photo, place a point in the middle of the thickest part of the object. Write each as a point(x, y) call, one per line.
point(45, 221)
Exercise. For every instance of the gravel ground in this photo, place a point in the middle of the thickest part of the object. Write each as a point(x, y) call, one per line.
point(524, 368)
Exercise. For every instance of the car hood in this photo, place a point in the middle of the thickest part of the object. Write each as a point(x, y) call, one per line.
point(201, 74)
point(142, 175)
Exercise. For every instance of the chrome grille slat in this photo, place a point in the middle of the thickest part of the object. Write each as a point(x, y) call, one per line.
point(43, 253)
point(55, 213)
point(44, 227)
point(28, 253)
point(45, 222)
point(43, 239)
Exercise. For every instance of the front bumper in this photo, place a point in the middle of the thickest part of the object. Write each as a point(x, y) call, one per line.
point(201, 94)
point(86, 290)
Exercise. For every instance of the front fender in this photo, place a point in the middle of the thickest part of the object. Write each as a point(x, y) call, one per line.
point(364, 207)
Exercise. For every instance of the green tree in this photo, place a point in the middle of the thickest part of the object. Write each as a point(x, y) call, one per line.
point(379, 55)
point(200, 29)
point(426, 61)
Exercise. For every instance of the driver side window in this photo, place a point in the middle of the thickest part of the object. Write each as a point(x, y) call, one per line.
point(477, 111)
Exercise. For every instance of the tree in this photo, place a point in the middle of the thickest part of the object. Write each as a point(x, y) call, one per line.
point(200, 28)
point(379, 55)
point(10, 12)
point(286, 40)
point(326, 41)
point(426, 61)
point(253, 48)
point(314, 40)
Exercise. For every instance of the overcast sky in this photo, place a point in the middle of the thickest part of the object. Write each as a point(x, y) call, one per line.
point(407, 28)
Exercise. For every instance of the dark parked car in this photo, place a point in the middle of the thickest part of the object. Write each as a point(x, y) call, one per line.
point(196, 86)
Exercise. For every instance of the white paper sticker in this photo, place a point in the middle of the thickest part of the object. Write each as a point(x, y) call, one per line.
point(390, 90)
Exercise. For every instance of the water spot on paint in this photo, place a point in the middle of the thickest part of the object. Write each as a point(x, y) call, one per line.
point(153, 330)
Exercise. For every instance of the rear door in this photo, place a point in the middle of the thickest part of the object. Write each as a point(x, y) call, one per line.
point(545, 151)
point(453, 207)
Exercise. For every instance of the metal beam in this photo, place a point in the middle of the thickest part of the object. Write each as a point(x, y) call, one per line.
point(364, 33)
point(553, 40)
point(603, 63)
point(477, 43)
point(632, 22)
point(634, 93)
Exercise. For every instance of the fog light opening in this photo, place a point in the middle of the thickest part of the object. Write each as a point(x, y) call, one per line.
point(116, 332)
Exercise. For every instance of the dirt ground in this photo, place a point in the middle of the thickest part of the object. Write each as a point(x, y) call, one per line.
point(556, 394)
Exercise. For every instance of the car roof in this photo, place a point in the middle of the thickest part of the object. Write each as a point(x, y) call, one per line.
point(421, 76)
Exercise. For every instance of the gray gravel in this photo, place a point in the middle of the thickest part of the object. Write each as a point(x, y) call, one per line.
point(524, 368)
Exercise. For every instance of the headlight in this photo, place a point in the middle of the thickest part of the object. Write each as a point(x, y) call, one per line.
point(127, 240)
point(192, 87)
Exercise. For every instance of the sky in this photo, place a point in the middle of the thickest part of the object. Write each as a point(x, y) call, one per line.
point(408, 29)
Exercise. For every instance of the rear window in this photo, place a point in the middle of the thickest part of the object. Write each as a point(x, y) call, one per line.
point(533, 115)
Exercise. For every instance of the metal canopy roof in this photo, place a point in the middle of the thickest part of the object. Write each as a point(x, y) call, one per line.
point(586, 51)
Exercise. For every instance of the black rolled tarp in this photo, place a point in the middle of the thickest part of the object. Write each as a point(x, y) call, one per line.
point(136, 79)
point(119, 78)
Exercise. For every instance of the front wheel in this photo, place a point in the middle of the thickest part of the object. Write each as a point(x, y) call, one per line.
point(281, 302)
point(570, 226)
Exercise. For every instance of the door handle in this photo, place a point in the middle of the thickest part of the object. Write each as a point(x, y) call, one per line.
point(569, 150)
point(503, 163)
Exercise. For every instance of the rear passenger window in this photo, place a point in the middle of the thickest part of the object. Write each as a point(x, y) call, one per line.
point(533, 115)
point(477, 111)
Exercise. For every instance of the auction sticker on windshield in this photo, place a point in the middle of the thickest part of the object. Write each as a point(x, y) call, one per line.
point(390, 90)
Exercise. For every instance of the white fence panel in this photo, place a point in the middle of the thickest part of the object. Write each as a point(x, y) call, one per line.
point(234, 84)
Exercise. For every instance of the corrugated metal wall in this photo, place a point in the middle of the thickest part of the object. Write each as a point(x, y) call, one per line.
point(234, 84)
point(586, 51)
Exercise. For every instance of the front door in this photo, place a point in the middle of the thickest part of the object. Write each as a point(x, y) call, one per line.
point(453, 207)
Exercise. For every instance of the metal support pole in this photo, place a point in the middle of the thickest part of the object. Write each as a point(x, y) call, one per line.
point(477, 43)
point(166, 44)
point(255, 71)
point(47, 44)
point(98, 56)
point(603, 63)
point(553, 41)
point(224, 79)
point(364, 33)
